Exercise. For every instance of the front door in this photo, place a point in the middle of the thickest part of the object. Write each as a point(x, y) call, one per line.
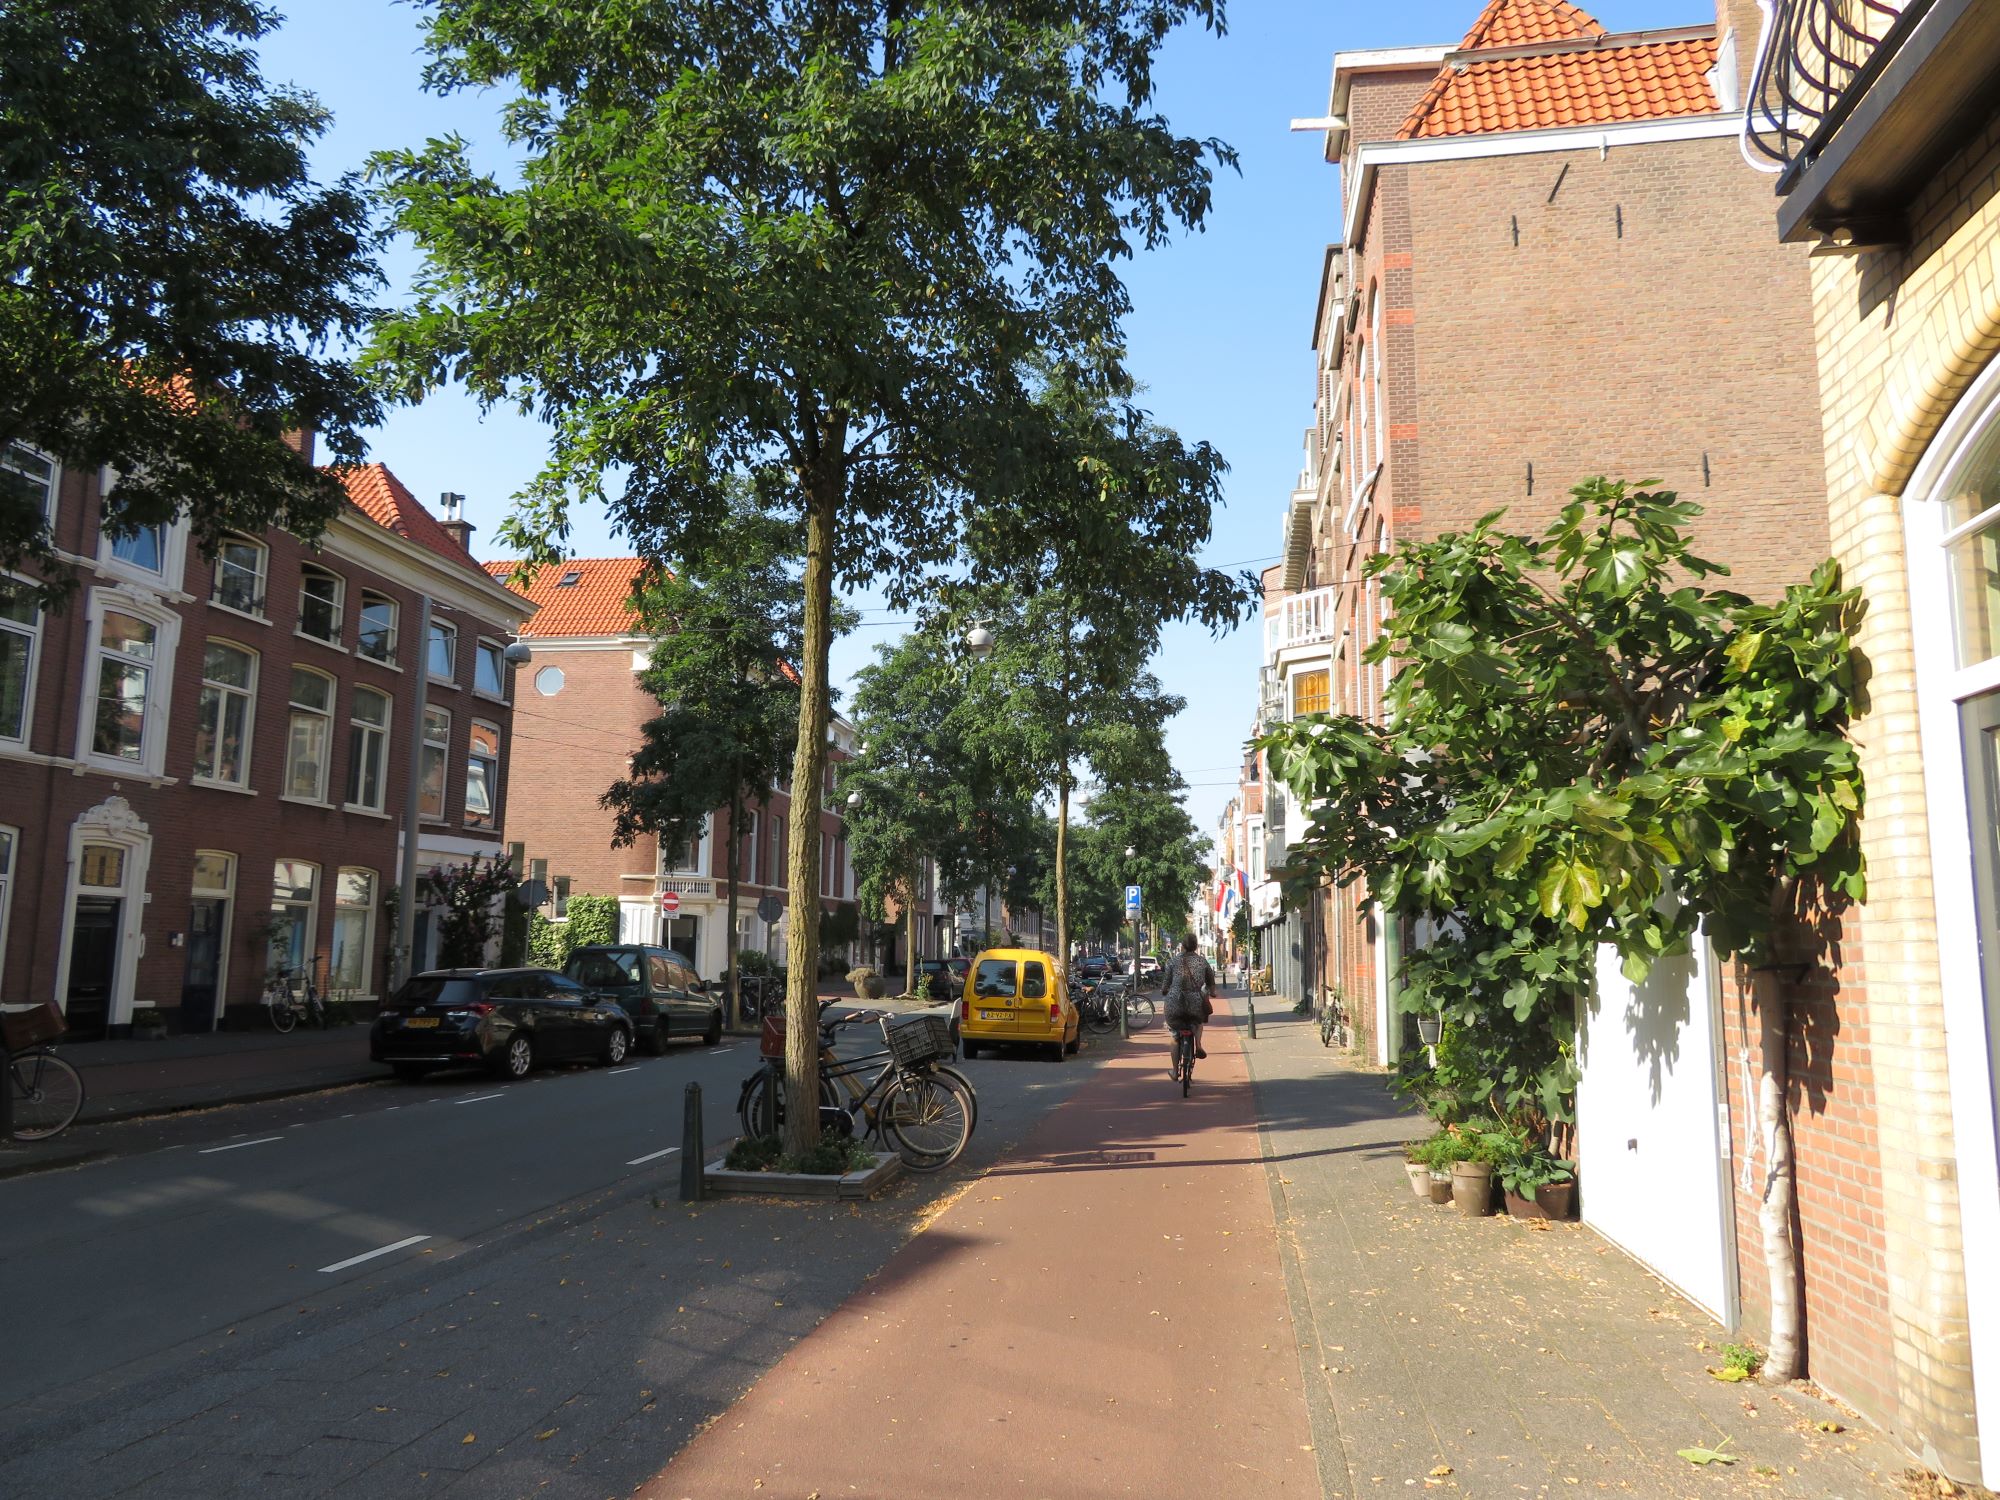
point(204, 962)
point(1979, 721)
point(93, 964)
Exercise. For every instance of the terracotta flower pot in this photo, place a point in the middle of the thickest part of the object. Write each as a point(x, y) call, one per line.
point(1420, 1180)
point(1440, 1187)
point(1557, 1200)
point(1522, 1208)
point(1472, 1187)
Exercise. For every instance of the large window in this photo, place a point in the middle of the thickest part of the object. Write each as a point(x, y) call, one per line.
point(294, 889)
point(1381, 444)
point(437, 748)
point(239, 575)
point(375, 634)
point(443, 659)
point(222, 724)
point(310, 734)
point(482, 776)
point(39, 474)
point(368, 749)
point(126, 653)
point(144, 548)
point(20, 648)
point(353, 931)
point(489, 669)
point(1310, 692)
point(320, 604)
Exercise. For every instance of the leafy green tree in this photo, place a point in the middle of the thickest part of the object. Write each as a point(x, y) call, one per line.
point(726, 625)
point(172, 277)
point(1587, 744)
point(828, 244)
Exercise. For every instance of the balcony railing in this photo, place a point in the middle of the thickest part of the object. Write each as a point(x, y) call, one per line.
point(1815, 59)
point(1302, 620)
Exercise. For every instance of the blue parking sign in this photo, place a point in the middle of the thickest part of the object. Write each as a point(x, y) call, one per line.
point(1133, 901)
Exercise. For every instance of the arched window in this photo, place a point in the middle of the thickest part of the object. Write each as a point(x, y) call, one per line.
point(225, 715)
point(310, 735)
point(321, 600)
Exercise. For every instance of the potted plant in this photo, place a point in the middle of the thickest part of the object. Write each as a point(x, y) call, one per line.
point(1423, 1158)
point(1472, 1171)
point(867, 983)
point(1528, 1170)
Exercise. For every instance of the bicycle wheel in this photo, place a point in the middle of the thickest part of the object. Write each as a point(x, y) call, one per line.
point(927, 1118)
point(750, 1113)
point(283, 1017)
point(1100, 1017)
point(1143, 1011)
point(964, 1084)
point(48, 1094)
point(1325, 1024)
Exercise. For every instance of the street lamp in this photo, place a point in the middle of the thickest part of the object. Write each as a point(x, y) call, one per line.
point(979, 641)
point(854, 799)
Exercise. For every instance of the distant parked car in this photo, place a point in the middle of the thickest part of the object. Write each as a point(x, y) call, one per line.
point(510, 1020)
point(942, 978)
point(656, 987)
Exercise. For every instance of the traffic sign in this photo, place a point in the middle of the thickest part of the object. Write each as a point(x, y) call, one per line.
point(1134, 900)
point(770, 908)
point(532, 895)
point(670, 902)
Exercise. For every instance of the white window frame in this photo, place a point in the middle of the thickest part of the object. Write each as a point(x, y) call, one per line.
point(698, 860)
point(746, 871)
point(173, 546)
point(293, 710)
point(32, 631)
point(443, 750)
point(320, 570)
point(166, 625)
point(395, 629)
point(491, 819)
point(450, 633)
point(53, 499)
point(481, 644)
point(248, 694)
point(359, 730)
point(227, 893)
point(216, 601)
point(10, 859)
point(364, 990)
point(1381, 447)
point(310, 905)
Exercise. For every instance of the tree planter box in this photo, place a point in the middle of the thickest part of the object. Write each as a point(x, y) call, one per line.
point(719, 1182)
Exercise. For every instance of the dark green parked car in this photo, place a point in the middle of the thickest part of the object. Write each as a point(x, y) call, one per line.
point(656, 987)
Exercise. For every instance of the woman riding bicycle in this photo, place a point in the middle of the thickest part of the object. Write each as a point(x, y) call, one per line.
point(1190, 990)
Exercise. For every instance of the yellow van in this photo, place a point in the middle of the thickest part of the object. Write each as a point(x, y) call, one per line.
point(1017, 997)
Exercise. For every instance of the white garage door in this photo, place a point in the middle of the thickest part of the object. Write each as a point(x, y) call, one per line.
point(1652, 1174)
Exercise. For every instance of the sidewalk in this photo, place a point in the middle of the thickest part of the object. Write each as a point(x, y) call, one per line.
point(1102, 1314)
point(1487, 1357)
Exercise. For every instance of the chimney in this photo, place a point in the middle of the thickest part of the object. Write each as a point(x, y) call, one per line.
point(1739, 25)
point(301, 440)
point(451, 510)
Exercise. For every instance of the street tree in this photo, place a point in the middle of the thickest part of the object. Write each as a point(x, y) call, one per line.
point(835, 245)
point(1587, 744)
point(727, 626)
point(174, 282)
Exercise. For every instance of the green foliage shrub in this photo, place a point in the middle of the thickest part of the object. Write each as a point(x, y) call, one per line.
point(592, 919)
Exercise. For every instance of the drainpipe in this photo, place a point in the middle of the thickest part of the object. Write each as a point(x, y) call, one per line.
point(406, 905)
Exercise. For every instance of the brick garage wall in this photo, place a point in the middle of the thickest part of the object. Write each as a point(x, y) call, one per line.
point(1591, 349)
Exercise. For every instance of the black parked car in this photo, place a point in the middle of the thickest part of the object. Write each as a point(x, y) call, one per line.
point(508, 1019)
point(656, 987)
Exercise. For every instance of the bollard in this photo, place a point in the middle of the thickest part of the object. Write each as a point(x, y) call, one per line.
point(692, 1155)
point(1250, 1005)
point(767, 1107)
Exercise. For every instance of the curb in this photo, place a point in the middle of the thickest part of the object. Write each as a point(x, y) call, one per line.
point(719, 1182)
point(115, 1114)
point(30, 1165)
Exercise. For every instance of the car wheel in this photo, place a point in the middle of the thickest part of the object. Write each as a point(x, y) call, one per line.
point(616, 1045)
point(517, 1058)
point(1062, 1049)
point(971, 1049)
point(714, 1033)
point(411, 1072)
point(1076, 1042)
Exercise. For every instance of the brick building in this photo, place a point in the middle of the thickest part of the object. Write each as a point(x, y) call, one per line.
point(579, 720)
point(203, 761)
point(1882, 125)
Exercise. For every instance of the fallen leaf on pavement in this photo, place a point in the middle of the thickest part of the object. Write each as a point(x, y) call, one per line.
point(1828, 1427)
point(1440, 1471)
point(468, 1438)
point(1707, 1456)
point(543, 1437)
point(1731, 1373)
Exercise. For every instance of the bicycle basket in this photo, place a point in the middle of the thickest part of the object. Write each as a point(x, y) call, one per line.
point(771, 1038)
point(27, 1026)
point(918, 1040)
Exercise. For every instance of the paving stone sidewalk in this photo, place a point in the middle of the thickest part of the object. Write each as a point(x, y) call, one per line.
point(1487, 1357)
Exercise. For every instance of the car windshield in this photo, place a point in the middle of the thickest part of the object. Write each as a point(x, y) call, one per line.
point(437, 989)
point(609, 969)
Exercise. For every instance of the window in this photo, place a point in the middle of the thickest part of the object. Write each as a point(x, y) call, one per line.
point(353, 931)
point(320, 604)
point(443, 657)
point(778, 851)
point(25, 467)
point(20, 648)
point(126, 653)
point(239, 576)
point(1381, 449)
point(683, 857)
point(368, 749)
point(375, 631)
point(570, 579)
point(311, 731)
point(222, 724)
point(549, 681)
point(437, 745)
point(746, 848)
point(1034, 981)
point(144, 549)
point(489, 669)
point(294, 885)
point(9, 840)
point(993, 979)
point(1309, 693)
point(482, 776)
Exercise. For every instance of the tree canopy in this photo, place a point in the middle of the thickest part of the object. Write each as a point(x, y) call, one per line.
point(176, 287)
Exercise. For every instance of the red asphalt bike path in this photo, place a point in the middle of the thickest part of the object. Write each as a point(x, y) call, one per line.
point(1102, 1313)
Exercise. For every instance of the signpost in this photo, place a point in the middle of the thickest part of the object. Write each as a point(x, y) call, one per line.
point(1135, 900)
point(670, 902)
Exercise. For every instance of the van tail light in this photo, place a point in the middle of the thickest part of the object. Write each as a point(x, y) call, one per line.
point(964, 1009)
point(1055, 1012)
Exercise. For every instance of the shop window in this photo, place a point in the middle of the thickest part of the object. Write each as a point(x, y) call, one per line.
point(368, 749)
point(310, 734)
point(482, 776)
point(224, 716)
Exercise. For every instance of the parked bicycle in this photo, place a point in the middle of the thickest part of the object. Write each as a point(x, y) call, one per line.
point(1333, 1020)
point(917, 1104)
point(292, 996)
point(46, 1092)
point(1102, 1003)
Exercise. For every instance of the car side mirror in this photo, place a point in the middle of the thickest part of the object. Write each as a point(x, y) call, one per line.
point(700, 987)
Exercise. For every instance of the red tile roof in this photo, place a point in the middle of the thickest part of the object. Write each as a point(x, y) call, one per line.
point(596, 602)
point(387, 501)
point(1517, 23)
point(1591, 85)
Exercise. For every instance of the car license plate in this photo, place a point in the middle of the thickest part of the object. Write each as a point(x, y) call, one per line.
point(996, 1015)
point(416, 1021)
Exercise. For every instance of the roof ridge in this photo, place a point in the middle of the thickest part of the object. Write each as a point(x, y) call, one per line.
point(1517, 89)
point(1551, 20)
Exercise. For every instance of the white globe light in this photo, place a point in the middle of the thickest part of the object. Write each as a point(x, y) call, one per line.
point(854, 799)
point(979, 641)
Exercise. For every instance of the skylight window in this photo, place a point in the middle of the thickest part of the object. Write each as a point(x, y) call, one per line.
point(570, 579)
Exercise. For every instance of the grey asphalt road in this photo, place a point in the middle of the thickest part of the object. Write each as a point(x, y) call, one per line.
point(224, 1257)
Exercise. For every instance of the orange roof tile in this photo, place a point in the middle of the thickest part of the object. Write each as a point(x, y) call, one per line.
point(595, 601)
point(387, 501)
point(1519, 23)
point(1588, 86)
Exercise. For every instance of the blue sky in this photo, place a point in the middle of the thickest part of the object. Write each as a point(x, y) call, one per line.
point(1219, 333)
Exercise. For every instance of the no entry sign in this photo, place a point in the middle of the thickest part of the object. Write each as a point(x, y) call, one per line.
point(670, 902)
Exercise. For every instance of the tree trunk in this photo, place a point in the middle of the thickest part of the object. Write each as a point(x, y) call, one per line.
point(1781, 1256)
point(729, 937)
point(1062, 867)
point(808, 769)
point(910, 939)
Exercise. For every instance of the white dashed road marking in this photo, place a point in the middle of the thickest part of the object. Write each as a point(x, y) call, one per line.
point(478, 1098)
point(654, 1156)
point(633, 1069)
point(262, 1140)
point(355, 1260)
